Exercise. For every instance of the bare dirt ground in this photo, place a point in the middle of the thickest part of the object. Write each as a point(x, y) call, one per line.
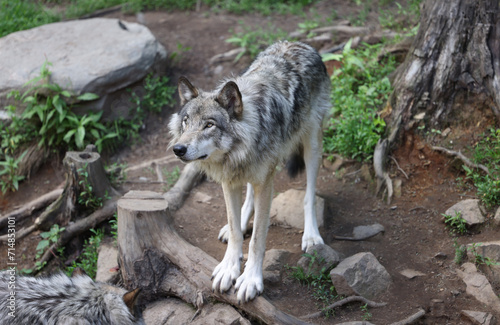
point(415, 236)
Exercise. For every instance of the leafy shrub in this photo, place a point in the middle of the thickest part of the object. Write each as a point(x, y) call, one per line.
point(359, 89)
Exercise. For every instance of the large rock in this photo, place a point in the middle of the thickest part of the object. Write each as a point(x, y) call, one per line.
point(97, 55)
point(479, 287)
point(360, 274)
point(469, 211)
point(288, 209)
point(478, 317)
point(488, 251)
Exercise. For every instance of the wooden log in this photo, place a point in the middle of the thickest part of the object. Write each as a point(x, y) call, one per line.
point(155, 258)
point(188, 179)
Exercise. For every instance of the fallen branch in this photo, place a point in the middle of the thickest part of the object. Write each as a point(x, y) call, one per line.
point(464, 159)
point(345, 301)
point(411, 319)
point(226, 56)
point(28, 208)
point(188, 179)
point(399, 168)
point(164, 160)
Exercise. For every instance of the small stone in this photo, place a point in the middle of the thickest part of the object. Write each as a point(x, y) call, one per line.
point(410, 274)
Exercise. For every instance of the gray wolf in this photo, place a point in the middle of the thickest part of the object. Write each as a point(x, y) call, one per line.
point(240, 132)
point(60, 300)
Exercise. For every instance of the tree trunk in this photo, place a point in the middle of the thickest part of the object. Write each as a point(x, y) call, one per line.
point(455, 53)
point(155, 258)
point(454, 58)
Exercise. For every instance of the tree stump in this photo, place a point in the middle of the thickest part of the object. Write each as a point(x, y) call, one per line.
point(155, 258)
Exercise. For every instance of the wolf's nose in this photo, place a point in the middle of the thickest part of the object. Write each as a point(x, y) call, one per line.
point(180, 150)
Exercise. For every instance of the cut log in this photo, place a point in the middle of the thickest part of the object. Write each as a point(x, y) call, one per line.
point(155, 258)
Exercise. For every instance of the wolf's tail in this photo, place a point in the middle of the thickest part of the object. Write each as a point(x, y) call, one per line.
point(296, 164)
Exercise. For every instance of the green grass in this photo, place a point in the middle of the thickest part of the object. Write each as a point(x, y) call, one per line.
point(487, 152)
point(254, 40)
point(455, 223)
point(21, 14)
point(317, 278)
point(360, 87)
point(88, 258)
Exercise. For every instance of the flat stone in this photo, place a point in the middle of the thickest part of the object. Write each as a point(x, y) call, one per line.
point(275, 259)
point(488, 250)
point(410, 274)
point(88, 55)
point(107, 261)
point(288, 209)
point(363, 275)
point(365, 232)
point(220, 314)
point(469, 211)
point(478, 317)
point(479, 287)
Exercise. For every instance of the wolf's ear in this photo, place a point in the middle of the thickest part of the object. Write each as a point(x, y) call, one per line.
point(77, 271)
point(130, 298)
point(186, 90)
point(230, 98)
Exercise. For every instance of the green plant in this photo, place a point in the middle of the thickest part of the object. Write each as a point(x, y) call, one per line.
point(48, 238)
point(86, 197)
point(175, 55)
point(487, 152)
point(367, 315)
point(113, 222)
point(254, 40)
point(172, 176)
point(460, 252)
point(88, 258)
point(402, 18)
point(9, 166)
point(116, 173)
point(455, 223)
point(317, 278)
point(480, 259)
point(359, 88)
point(158, 94)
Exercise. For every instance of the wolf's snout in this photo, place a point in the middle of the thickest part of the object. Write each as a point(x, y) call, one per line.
point(180, 150)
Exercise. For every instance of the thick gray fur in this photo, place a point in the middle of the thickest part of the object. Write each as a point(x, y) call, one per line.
point(61, 300)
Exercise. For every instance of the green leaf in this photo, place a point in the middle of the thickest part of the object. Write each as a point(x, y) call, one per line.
point(66, 93)
point(88, 96)
point(42, 245)
point(68, 135)
point(80, 135)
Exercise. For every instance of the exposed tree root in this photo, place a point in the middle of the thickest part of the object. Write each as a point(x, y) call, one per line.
point(344, 301)
point(411, 319)
point(380, 165)
point(464, 159)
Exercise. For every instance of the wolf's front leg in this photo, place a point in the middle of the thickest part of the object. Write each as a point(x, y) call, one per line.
point(246, 213)
point(251, 282)
point(226, 273)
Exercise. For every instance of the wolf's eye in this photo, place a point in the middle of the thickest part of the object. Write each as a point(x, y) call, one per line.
point(209, 125)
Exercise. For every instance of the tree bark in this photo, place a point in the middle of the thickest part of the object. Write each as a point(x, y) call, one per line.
point(155, 258)
point(454, 58)
point(456, 52)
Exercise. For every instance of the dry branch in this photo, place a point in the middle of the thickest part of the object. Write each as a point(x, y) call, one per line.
point(154, 257)
point(464, 159)
point(188, 179)
point(344, 301)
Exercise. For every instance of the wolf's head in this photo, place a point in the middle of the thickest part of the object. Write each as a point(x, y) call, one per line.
point(203, 127)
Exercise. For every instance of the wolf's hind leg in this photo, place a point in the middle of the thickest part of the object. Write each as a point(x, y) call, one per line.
point(246, 214)
point(312, 155)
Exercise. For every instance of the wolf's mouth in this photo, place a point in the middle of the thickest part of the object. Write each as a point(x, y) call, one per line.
point(190, 160)
point(202, 157)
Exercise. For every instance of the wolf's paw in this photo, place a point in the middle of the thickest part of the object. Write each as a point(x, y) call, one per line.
point(308, 241)
point(250, 284)
point(225, 274)
point(224, 234)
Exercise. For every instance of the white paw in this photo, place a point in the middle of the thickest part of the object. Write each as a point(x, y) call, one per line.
point(225, 274)
point(224, 234)
point(308, 241)
point(250, 284)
